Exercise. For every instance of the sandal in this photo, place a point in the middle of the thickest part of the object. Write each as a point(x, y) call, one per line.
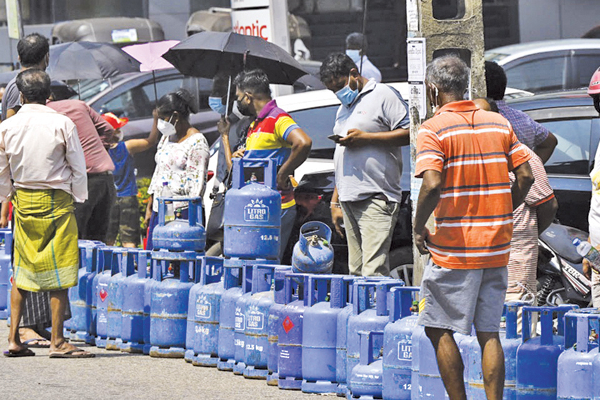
point(24, 352)
point(74, 353)
point(36, 343)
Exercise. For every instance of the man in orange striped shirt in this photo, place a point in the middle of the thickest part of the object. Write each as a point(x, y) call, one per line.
point(464, 155)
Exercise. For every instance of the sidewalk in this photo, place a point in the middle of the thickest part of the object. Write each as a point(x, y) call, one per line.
point(125, 376)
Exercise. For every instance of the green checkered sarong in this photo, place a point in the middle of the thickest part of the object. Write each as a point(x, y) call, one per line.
point(46, 250)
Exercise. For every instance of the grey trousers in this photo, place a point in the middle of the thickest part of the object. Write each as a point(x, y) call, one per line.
point(369, 226)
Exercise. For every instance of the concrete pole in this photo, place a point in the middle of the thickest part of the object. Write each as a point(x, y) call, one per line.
point(462, 34)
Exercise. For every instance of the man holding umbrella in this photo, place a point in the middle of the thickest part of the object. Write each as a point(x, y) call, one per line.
point(34, 52)
point(272, 134)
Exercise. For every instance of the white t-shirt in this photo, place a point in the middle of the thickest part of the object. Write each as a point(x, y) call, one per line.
point(366, 170)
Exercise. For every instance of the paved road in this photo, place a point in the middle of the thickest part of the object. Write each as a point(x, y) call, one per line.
point(119, 375)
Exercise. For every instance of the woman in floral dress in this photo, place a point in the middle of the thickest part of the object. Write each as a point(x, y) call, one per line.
point(181, 158)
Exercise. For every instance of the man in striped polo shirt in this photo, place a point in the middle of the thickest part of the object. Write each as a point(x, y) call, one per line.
point(273, 134)
point(464, 155)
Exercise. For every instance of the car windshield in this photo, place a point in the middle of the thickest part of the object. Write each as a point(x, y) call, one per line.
point(88, 88)
point(318, 124)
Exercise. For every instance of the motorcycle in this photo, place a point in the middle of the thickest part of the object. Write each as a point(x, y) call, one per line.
point(560, 278)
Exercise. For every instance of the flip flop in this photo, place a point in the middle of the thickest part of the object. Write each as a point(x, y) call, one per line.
point(37, 345)
point(21, 353)
point(75, 353)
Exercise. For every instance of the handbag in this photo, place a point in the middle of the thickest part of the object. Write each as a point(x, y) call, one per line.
point(214, 227)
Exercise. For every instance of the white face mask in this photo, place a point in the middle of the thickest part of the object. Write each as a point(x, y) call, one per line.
point(165, 127)
point(434, 105)
point(236, 111)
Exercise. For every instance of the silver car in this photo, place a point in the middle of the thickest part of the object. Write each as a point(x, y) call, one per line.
point(548, 65)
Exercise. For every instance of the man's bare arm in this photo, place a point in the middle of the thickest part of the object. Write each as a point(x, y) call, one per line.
point(523, 181)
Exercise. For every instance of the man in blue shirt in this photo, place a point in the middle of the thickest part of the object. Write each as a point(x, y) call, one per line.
point(530, 133)
point(370, 126)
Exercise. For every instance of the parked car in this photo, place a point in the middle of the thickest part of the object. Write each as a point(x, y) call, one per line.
point(571, 117)
point(132, 96)
point(549, 65)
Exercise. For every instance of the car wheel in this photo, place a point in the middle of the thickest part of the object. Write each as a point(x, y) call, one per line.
point(401, 264)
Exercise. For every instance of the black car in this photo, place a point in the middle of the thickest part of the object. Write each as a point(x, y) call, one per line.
point(133, 96)
point(571, 117)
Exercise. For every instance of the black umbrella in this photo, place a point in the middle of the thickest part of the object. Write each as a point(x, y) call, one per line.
point(89, 60)
point(207, 53)
point(59, 89)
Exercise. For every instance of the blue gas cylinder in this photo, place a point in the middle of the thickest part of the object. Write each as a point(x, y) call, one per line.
point(239, 332)
point(366, 379)
point(256, 341)
point(148, 286)
point(90, 289)
point(132, 310)
point(5, 266)
point(239, 337)
point(290, 334)
point(252, 216)
point(428, 383)
point(274, 325)
point(397, 344)
point(90, 336)
point(101, 265)
point(115, 302)
point(341, 343)
point(537, 357)
point(313, 253)
point(319, 335)
point(180, 234)
point(233, 279)
point(510, 341)
point(575, 374)
point(596, 366)
point(370, 313)
point(111, 261)
point(169, 310)
point(203, 312)
point(81, 312)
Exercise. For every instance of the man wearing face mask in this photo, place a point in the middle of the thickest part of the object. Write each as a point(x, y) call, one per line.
point(371, 125)
point(272, 134)
point(356, 46)
point(233, 127)
point(464, 155)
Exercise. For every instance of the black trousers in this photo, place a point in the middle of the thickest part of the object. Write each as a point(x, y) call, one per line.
point(93, 216)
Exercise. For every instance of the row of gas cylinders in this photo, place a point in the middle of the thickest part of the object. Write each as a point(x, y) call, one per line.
point(319, 333)
point(352, 336)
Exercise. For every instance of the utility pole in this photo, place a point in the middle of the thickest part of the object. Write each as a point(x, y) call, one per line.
point(428, 38)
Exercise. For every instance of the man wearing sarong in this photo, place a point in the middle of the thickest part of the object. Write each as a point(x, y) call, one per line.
point(40, 151)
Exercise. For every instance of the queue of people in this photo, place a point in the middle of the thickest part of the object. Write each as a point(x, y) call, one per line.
point(481, 165)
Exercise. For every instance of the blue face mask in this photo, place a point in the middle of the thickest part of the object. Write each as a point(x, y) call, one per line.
point(354, 55)
point(217, 105)
point(347, 95)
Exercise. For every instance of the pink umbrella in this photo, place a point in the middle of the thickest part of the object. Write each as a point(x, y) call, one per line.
point(150, 56)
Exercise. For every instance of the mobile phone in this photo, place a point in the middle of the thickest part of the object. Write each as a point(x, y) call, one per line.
point(335, 138)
